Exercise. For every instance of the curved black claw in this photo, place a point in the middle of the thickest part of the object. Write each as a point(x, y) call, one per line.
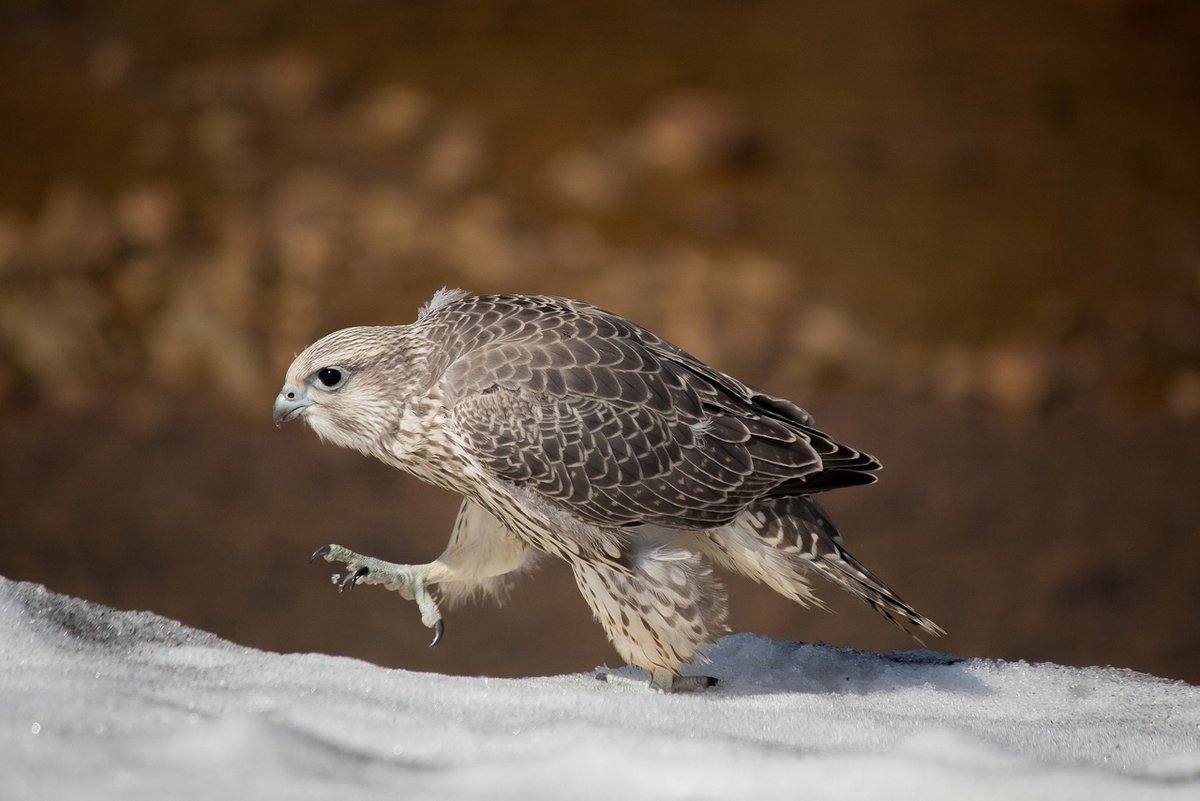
point(352, 578)
point(439, 629)
point(324, 549)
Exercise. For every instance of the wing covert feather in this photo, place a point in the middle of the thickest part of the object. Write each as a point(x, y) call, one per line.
point(617, 426)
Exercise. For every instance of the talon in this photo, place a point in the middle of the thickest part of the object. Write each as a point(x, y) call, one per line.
point(322, 551)
point(352, 578)
point(439, 629)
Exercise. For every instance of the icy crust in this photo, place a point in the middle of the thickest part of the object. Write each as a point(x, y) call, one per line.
point(99, 704)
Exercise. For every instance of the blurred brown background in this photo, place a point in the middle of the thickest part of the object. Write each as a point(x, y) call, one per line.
point(966, 236)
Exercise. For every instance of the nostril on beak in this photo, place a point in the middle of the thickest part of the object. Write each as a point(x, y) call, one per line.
point(289, 405)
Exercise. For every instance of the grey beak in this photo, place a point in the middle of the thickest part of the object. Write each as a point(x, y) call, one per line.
point(289, 404)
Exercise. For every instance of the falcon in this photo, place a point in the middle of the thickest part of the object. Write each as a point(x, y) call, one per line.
point(573, 432)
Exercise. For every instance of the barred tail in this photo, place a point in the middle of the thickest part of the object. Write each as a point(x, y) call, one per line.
point(798, 528)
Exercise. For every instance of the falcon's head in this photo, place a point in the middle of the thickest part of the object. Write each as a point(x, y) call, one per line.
point(349, 385)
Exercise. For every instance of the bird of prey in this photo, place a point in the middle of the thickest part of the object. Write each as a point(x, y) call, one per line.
point(573, 432)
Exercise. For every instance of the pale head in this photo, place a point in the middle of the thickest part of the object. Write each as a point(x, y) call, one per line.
point(350, 385)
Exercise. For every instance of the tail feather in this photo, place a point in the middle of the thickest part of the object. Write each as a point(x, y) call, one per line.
point(848, 573)
point(798, 527)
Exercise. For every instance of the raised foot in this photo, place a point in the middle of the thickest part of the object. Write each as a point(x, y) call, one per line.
point(663, 681)
point(411, 581)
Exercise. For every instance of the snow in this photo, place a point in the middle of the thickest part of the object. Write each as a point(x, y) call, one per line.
point(101, 704)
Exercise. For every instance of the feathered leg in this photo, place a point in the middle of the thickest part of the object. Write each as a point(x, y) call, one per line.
point(661, 614)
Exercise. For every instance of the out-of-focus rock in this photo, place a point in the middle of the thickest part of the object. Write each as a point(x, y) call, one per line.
point(270, 264)
point(831, 344)
point(287, 82)
point(195, 347)
point(904, 365)
point(456, 158)
point(14, 245)
point(154, 143)
point(1175, 329)
point(55, 337)
point(199, 85)
point(110, 63)
point(596, 178)
point(390, 224)
point(1082, 363)
point(306, 231)
point(827, 335)
point(231, 276)
point(729, 308)
point(756, 297)
point(222, 134)
point(485, 241)
point(138, 286)
point(711, 214)
point(74, 232)
point(1183, 394)
point(682, 284)
point(290, 82)
point(8, 382)
point(147, 215)
point(954, 372)
point(1017, 378)
point(698, 131)
point(579, 250)
point(394, 117)
point(306, 221)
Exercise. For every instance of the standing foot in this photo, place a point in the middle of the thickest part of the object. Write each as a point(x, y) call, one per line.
point(663, 681)
point(411, 581)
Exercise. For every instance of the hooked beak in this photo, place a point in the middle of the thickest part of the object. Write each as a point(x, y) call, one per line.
point(290, 404)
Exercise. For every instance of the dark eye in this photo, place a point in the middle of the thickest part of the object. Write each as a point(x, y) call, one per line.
point(330, 376)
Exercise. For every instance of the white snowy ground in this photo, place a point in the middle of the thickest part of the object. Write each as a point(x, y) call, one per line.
point(101, 704)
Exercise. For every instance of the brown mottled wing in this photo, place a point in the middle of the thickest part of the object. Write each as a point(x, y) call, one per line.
point(617, 426)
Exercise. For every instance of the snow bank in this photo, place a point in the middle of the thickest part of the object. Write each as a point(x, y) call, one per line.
point(101, 704)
